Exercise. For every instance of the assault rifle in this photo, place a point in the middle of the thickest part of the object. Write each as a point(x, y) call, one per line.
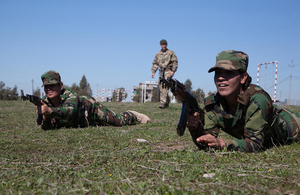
point(189, 104)
point(36, 101)
point(161, 74)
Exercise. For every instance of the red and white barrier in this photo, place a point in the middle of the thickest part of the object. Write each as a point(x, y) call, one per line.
point(109, 91)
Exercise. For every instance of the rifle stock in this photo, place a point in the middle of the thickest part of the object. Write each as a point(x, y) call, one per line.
point(36, 101)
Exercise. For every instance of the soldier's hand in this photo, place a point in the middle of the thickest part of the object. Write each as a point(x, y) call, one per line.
point(193, 120)
point(171, 74)
point(152, 75)
point(211, 141)
point(45, 110)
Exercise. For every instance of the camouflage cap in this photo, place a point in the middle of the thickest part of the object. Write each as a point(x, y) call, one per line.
point(231, 60)
point(51, 77)
point(163, 42)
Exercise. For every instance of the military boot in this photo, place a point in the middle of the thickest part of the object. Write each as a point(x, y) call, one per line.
point(141, 118)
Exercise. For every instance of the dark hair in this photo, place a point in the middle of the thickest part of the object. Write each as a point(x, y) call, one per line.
point(248, 80)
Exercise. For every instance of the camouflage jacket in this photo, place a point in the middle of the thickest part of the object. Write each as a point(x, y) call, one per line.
point(257, 124)
point(74, 111)
point(166, 59)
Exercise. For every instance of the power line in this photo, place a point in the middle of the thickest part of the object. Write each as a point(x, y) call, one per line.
point(278, 83)
point(284, 80)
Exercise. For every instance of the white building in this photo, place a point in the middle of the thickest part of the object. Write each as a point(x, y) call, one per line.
point(147, 88)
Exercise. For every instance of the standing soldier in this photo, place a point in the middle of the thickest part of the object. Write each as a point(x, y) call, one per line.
point(167, 62)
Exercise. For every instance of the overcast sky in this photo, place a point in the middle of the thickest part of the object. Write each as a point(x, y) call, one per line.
point(113, 43)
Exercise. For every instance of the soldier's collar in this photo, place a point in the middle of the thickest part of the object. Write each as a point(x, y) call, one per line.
point(245, 96)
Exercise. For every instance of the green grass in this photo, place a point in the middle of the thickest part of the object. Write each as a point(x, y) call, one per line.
point(110, 160)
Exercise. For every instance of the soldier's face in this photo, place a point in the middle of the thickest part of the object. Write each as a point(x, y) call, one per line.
point(53, 91)
point(228, 83)
point(164, 47)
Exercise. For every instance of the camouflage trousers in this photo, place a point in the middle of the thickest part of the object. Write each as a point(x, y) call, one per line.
point(105, 116)
point(101, 115)
point(164, 99)
point(292, 124)
point(90, 113)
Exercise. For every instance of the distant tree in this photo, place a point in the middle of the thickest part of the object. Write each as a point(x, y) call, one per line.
point(155, 95)
point(188, 85)
point(8, 93)
point(138, 96)
point(199, 95)
point(2, 85)
point(67, 87)
point(83, 88)
point(37, 92)
point(114, 97)
point(14, 93)
point(74, 87)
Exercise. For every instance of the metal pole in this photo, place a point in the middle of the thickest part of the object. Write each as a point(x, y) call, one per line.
point(145, 93)
point(275, 85)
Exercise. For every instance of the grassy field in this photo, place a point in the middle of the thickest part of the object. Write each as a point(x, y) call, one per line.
point(111, 160)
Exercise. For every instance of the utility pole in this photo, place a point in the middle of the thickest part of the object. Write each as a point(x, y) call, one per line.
point(32, 85)
point(290, 83)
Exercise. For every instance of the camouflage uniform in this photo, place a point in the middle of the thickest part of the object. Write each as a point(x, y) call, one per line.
point(168, 60)
point(81, 111)
point(257, 123)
